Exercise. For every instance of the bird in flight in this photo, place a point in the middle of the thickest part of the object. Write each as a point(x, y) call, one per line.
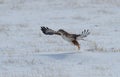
point(72, 38)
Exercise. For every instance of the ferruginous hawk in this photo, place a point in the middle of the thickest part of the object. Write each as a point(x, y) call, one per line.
point(67, 36)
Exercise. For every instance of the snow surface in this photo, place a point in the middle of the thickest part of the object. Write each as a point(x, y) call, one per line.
point(26, 52)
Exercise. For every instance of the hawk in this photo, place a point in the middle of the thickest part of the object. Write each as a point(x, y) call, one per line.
point(67, 36)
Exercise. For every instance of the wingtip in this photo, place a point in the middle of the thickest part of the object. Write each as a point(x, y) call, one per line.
point(43, 27)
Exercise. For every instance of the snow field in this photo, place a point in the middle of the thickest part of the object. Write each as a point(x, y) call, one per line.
point(26, 52)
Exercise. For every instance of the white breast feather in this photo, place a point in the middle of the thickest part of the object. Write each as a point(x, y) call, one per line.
point(66, 38)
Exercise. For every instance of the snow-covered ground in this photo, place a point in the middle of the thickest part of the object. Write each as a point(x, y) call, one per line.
point(26, 52)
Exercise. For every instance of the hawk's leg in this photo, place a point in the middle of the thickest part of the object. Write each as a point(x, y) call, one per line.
point(76, 43)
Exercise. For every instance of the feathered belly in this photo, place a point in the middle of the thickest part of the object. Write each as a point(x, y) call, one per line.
point(67, 38)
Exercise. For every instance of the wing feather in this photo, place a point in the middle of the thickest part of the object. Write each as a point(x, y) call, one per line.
point(84, 34)
point(48, 31)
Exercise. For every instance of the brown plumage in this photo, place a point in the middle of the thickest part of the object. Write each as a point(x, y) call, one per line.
point(66, 36)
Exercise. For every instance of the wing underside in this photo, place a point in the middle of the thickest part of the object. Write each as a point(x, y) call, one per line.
point(49, 31)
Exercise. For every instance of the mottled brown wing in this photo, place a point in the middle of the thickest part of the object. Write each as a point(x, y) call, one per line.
point(48, 31)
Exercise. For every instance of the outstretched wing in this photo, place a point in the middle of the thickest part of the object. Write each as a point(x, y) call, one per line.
point(48, 31)
point(84, 33)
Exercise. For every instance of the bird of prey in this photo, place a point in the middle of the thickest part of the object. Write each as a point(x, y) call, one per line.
point(67, 36)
